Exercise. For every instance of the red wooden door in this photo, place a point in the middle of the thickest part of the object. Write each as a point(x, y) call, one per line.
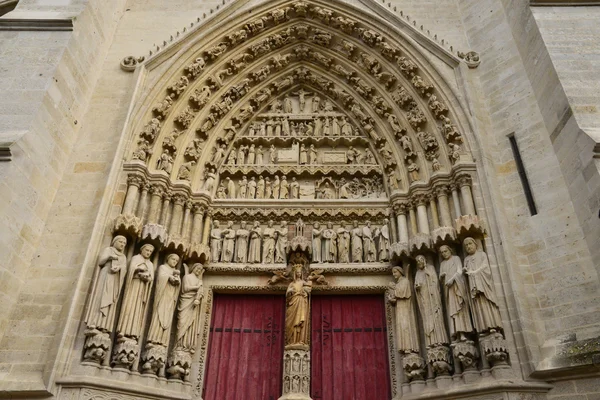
point(245, 356)
point(349, 354)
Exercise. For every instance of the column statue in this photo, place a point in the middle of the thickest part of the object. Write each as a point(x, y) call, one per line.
point(357, 244)
point(255, 243)
point(282, 243)
point(343, 242)
point(228, 243)
point(241, 245)
point(383, 240)
point(400, 295)
point(216, 242)
point(370, 253)
point(268, 250)
point(456, 294)
point(430, 303)
point(329, 244)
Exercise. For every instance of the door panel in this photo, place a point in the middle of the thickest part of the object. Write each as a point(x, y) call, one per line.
point(245, 356)
point(349, 352)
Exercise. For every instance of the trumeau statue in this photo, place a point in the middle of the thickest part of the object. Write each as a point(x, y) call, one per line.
point(165, 300)
point(486, 313)
point(255, 243)
point(269, 244)
point(113, 268)
point(137, 291)
point(456, 294)
point(241, 245)
point(216, 242)
point(400, 295)
point(343, 243)
point(429, 301)
point(297, 328)
point(228, 243)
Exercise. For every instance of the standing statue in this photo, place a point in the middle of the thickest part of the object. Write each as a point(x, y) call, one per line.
point(241, 155)
point(272, 154)
point(429, 301)
point(313, 155)
point(329, 244)
point(284, 188)
point(228, 243)
point(268, 188)
point(268, 250)
point(294, 189)
point(486, 313)
point(276, 187)
point(303, 155)
point(383, 241)
point(100, 317)
point(216, 242)
point(188, 309)
point(251, 155)
point(456, 294)
point(230, 188)
point(243, 192)
point(370, 253)
point(316, 243)
point(400, 295)
point(252, 188)
point(255, 242)
point(282, 243)
point(357, 243)
point(259, 156)
point(138, 284)
point(241, 245)
point(343, 243)
point(260, 188)
point(297, 328)
point(209, 179)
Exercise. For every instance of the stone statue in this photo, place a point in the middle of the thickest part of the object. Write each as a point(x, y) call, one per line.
point(276, 187)
point(272, 154)
point(268, 249)
point(413, 171)
point(383, 240)
point(369, 157)
point(230, 188)
point(252, 188)
point(259, 156)
point(399, 294)
point(303, 155)
point(427, 288)
point(393, 182)
point(456, 294)
point(486, 313)
point(242, 193)
point(251, 155)
point(255, 243)
point(188, 309)
point(241, 155)
point(228, 243)
point(287, 105)
point(216, 242)
point(329, 244)
point(209, 181)
point(284, 188)
point(346, 128)
point(260, 188)
point(313, 155)
point(316, 101)
point(185, 170)
point(316, 243)
point(165, 162)
point(221, 192)
point(241, 245)
point(231, 158)
point(297, 328)
point(282, 243)
point(268, 188)
point(370, 253)
point(343, 244)
point(112, 261)
point(165, 299)
point(294, 189)
point(357, 243)
point(218, 154)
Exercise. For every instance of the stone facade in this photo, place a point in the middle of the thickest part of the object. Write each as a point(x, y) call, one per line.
point(71, 117)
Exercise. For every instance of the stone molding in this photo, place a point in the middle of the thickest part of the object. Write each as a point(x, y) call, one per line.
point(26, 24)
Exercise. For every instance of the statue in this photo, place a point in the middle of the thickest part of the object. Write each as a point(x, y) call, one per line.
point(268, 250)
point(284, 188)
point(185, 170)
point(357, 243)
point(413, 171)
point(427, 288)
point(343, 243)
point(329, 244)
point(219, 153)
point(287, 105)
point(221, 192)
point(313, 155)
point(294, 189)
point(165, 162)
point(369, 157)
point(228, 243)
point(303, 155)
point(316, 101)
point(393, 181)
point(210, 179)
point(399, 294)
point(316, 243)
point(216, 241)
point(486, 313)
point(232, 157)
point(252, 188)
point(383, 241)
point(255, 242)
point(260, 188)
point(276, 187)
point(241, 245)
point(230, 188)
point(241, 155)
point(243, 188)
point(369, 250)
point(456, 294)
point(259, 156)
point(297, 308)
point(251, 155)
point(268, 188)
point(188, 309)
point(272, 154)
point(282, 243)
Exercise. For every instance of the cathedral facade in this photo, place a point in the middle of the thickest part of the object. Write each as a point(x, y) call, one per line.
point(299, 199)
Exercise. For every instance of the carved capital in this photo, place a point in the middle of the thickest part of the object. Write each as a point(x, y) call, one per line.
point(441, 190)
point(127, 224)
point(179, 365)
point(96, 346)
point(469, 225)
point(135, 180)
point(179, 199)
point(157, 189)
point(439, 359)
point(125, 352)
point(495, 349)
point(464, 180)
point(466, 353)
point(414, 367)
point(154, 359)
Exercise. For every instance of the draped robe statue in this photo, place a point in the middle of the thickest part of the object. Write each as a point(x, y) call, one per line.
point(456, 294)
point(297, 328)
point(357, 244)
point(400, 295)
point(109, 283)
point(188, 309)
point(370, 254)
point(329, 244)
point(282, 243)
point(228, 243)
point(316, 243)
point(383, 241)
point(241, 245)
point(269, 244)
point(427, 288)
point(137, 291)
point(255, 242)
point(165, 300)
point(486, 313)
point(343, 243)
point(216, 242)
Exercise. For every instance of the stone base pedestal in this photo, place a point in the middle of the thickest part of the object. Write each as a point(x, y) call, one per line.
point(296, 374)
point(125, 353)
point(97, 345)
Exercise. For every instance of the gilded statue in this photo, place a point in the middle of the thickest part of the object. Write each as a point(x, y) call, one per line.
point(297, 309)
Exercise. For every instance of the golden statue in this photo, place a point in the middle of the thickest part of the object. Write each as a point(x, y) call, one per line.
point(297, 325)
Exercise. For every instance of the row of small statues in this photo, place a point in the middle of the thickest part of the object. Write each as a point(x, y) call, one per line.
point(316, 104)
point(317, 126)
point(269, 245)
point(263, 188)
point(134, 284)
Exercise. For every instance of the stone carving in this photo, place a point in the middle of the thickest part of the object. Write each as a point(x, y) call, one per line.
point(282, 243)
point(316, 243)
point(471, 58)
point(393, 180)
point(216, 241)
point(194, 149)
point(151, 129)
point(143, 151)
point(415, 115)
point(102, 310)
point(178, 87)
point(329, 238)
point(268, 247)
point(195, 68)
point(228, 244)
point(241, 245)
point(369, 251)
point(297, 328)
point(162, 109)
point(188, 312)
point(429, 144)
point(185, 170)
point(165, 300)
point(382, 236)
point(296, 374)
point(357, 243)
point(138, 284)
point(399, 294)
point(456, 294)
point(486, 313)
point(165, 162)
point(209, 180)
point(430, 302)
point(130, 63)
point(413, 171)
point(255, 243)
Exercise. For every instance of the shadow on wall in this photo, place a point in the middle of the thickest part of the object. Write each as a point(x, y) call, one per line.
point(7, 6)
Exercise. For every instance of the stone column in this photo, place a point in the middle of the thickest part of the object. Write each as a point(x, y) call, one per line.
point(413, 220)
point(186, 230)
point(434, 212)
point(402, 224)
point(175, 226)
point(166, 208)
point(455, 200)
point(142, 211)
point(134, 182)
point(197, 224)
point(442, 196)
point(155, 201)
point(206, 232)
point(467, 197)
point(422, 220)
